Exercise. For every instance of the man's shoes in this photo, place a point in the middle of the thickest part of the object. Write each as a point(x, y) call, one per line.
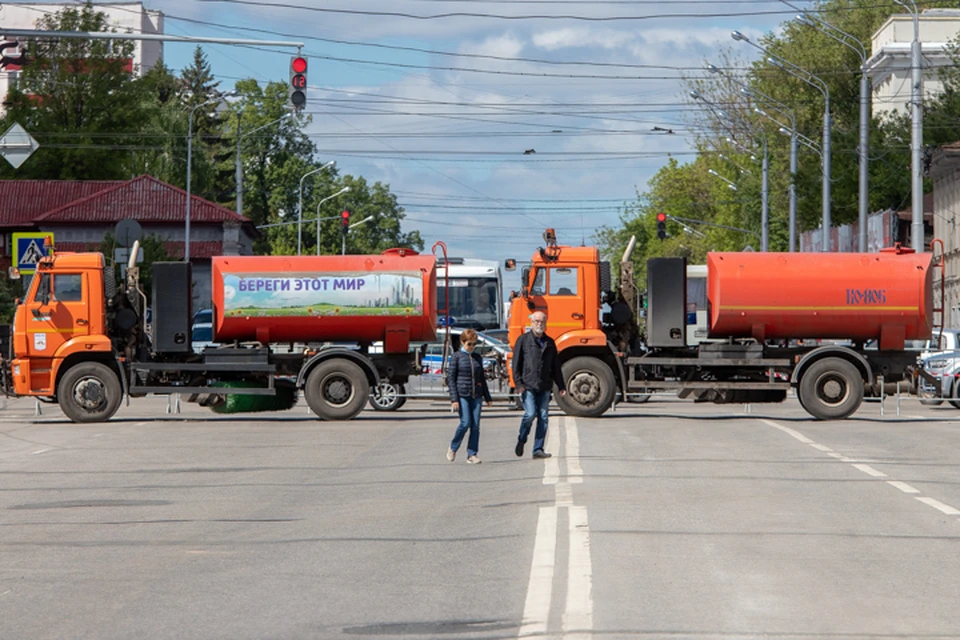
point(474, 460)
point(451, 455)
point(540, 453)
point(519, 449)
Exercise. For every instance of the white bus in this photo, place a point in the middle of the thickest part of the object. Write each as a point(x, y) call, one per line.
point(474, 297)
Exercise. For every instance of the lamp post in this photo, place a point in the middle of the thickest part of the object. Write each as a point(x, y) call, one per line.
point(729, 183)
point(787, 111)
point(764, 184)
point(343, 248)
point(916, 131)
point(300, 203)
point(855, 45)
point(338, 193)
point(239, 170)
point(186, 226)
point(821, 86)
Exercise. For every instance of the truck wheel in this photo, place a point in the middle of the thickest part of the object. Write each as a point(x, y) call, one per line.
point(388, 396)
point(337, 390)
point(831, 389)
point(89, 392)
point(590, 387)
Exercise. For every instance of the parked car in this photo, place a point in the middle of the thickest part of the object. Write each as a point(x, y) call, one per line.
point(944, 367)
point(949, 340)
point(390, 397)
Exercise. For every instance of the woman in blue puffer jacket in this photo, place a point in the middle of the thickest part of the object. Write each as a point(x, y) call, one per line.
point(468, 390)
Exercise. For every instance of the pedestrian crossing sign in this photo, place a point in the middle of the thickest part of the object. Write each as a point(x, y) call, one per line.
point(28, 250)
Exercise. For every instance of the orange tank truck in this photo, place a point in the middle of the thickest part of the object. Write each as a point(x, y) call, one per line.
point(884, 296)
point(334, 298)
point(830, 328)
point(286, 325)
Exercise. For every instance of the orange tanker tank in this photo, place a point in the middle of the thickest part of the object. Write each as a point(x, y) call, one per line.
point(887, 296)
point(356, 298)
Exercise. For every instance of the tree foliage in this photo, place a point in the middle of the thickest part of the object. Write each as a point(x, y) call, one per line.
point(95, 120)
point(79, 100)
point(730, 134)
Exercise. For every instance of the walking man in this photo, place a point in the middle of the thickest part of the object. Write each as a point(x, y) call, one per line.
point(536, 366)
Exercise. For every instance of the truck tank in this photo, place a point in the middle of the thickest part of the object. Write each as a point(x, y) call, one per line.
point(887, 296)
point(355, 298)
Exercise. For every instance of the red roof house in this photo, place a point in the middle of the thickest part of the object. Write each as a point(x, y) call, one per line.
point(81, 212)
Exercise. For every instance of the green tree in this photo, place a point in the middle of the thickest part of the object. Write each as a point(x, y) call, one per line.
point(79, 99)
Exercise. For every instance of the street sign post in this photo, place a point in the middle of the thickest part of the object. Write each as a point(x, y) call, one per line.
point(16, 145)
point(28, 249)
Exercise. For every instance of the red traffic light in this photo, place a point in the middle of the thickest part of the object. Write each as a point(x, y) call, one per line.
point(299, 65)
point(345, 218)
point(661, 217)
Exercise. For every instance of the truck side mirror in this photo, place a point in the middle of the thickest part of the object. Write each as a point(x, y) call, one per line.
point(13, 273)
point(509, 264)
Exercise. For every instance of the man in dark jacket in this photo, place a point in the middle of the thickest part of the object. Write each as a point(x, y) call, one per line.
point(536, 367)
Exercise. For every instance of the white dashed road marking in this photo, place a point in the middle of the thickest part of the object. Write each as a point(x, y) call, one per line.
point(867, 469)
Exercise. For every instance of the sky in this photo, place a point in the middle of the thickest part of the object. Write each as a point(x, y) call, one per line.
point(489, 119)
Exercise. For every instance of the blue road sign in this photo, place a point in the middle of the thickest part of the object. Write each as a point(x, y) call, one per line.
point(28, 250)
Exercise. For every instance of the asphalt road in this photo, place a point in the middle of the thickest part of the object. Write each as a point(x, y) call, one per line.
point(663, 520)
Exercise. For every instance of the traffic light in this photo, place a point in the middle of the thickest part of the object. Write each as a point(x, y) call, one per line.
point(344, 221)
point(298, 82)
point(662, 225)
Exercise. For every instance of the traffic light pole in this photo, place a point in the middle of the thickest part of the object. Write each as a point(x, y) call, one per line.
point(157, 37)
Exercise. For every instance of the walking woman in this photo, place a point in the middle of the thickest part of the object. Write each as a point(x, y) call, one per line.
point(468, 390)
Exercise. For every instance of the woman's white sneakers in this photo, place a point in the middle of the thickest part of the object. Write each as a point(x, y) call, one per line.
point(451, 455)
point(474, 460)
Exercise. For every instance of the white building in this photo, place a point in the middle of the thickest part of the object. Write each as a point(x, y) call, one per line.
point(889, 63)
point(124, 17)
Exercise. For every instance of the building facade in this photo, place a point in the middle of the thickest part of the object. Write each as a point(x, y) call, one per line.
point(124, 17)
point(945, 173)
point(82, 213)
point(889, 66)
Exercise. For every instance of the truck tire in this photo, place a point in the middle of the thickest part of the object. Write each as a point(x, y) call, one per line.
point(337, 389)
point(591, 387)
point(89, 392)
point(831, 389)
point(388, 396)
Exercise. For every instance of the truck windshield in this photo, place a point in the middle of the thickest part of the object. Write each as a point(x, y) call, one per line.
point(474, 302)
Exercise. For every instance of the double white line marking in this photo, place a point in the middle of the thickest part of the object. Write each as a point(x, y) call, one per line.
point(577, 622)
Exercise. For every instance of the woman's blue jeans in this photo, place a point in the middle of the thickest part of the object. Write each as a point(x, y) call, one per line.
point(469, 419)
point(535, 405)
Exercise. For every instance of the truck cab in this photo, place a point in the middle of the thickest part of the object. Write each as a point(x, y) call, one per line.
point(60, 321)
point(571, 285)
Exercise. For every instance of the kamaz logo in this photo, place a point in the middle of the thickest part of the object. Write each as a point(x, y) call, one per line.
point(866, 296)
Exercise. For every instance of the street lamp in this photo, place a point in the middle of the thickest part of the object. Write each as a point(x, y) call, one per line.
point(792, 191)
point(300, 205)
point(916, 131)
point(765, 179)
point(821, 86)
point(729, 183)
point(186, 226)
point(239, 170)
point(785, 110)
point(855, 45)
point(343, 249)
point(338, 193)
